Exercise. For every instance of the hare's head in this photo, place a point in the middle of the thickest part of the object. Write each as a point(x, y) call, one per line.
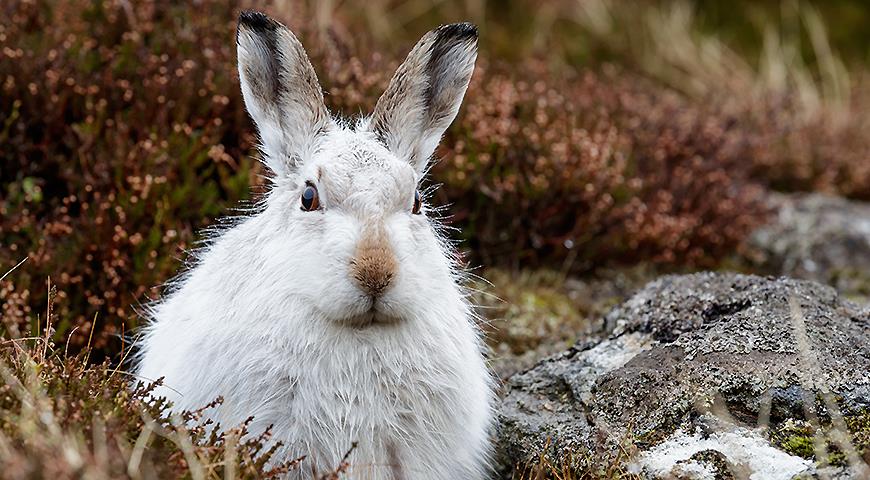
point(349, 225)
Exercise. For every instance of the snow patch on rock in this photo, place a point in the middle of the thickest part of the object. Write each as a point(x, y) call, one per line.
point(745, 449)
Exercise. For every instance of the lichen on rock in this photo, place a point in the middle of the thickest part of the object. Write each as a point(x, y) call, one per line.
point(750, 351)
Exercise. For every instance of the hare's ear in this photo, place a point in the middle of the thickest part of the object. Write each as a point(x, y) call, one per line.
point(425, 93)
point(281, 91)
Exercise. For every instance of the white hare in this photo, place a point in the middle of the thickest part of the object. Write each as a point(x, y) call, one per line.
point(334, 313)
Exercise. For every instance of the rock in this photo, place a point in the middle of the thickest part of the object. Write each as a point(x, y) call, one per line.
point(694, 361)
point(818, 237)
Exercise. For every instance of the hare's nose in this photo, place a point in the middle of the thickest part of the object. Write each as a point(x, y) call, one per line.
point(373, 266)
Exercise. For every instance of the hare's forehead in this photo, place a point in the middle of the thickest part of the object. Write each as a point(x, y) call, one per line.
point(352, 162)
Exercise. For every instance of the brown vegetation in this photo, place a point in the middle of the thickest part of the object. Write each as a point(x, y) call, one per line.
point(125, 133)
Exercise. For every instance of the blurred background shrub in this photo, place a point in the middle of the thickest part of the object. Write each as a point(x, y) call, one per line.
point(595, 133)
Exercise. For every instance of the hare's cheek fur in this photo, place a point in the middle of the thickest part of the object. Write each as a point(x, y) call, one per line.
point(343, 323)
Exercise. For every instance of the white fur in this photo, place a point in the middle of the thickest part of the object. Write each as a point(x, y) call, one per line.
point(262, 320)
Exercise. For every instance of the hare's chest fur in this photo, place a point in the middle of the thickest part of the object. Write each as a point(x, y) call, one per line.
point(412, 408)
point(413, 396)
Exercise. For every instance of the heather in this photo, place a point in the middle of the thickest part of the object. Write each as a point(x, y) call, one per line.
point(125, 135)
point(594, 137)
point(123, 131)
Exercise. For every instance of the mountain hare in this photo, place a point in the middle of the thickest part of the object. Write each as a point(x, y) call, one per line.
point(334, 313)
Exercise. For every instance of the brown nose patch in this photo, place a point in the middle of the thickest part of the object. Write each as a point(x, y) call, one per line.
point(373, 265)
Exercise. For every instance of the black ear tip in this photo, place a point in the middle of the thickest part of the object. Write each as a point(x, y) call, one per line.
point(257, 21)
point(458, 31)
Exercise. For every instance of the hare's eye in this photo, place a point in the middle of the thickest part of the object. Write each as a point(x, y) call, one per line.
point(310, 199)
point(417, 203)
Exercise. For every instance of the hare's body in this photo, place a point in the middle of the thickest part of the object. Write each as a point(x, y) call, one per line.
point(333, 314)
point(413, 394)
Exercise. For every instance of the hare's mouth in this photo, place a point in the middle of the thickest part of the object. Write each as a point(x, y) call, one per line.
point(375, 315)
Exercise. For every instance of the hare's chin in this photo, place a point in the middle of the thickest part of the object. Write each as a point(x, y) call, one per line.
point(371, 318)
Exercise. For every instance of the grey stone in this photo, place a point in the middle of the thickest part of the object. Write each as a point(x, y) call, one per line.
point(817, 237)
point(686, 347)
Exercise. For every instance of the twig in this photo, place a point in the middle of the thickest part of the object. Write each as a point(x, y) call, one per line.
point(181, 438)
point(13, 268)
point(68, 338)
point(342, 467)
point(139, 449)
point(90, 337)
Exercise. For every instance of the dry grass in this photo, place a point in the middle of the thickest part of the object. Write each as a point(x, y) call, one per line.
point(800, 104)
point(65, 418)
point(611, 462)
